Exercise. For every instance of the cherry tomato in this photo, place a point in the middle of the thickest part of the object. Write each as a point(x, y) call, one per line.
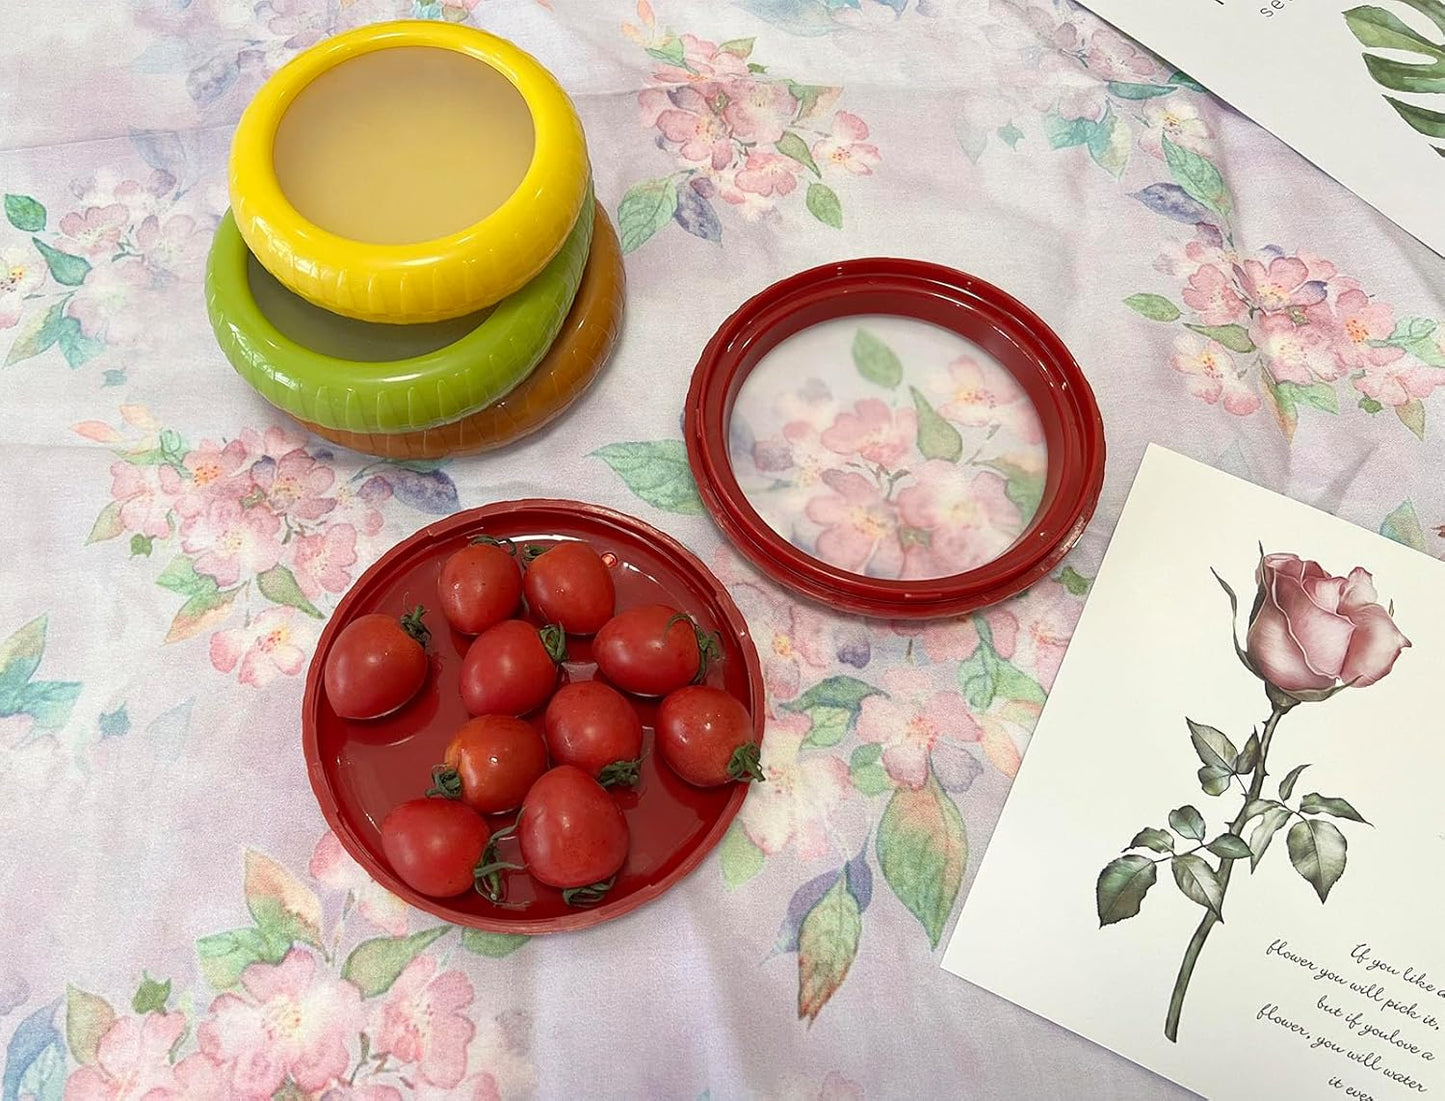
point(593, 727)
point(572, 834)
point(511, 669)
point(571, 585)
point(434, 845)
point(706, 737)
point(376, 664)
point(652, 649)
point(490, 764)
point(479, 585)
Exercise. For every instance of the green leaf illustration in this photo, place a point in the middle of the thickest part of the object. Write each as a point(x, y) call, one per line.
point(1233, 337)
point(1074, 581)
point(1255, 807)
point(200, 614)
point(20, 656)
point(986, 676)
point(1317, 395)
point(1423, 72)
point(75, 346)
point(224, 956)
point(1161, 841)
point(1215, 780)
point(1121, 887)
point(375, 964)
point(1286, 786)
point(492, 945)
point(657, 471)
point(1412, 416)
point(670, 50)
point(1199, 883)
point(24, 213)
point(1198, 177)
point(1317, 850)
point(1110, 143)
point(180, 576)
point(1315, 803)
point(1065, 133)
point(1184, 80)
point(1403, 526)
point(738, 47)
point(823, 204)
point(827, 946)
point(867, 775)
point(107, 525)
point(740, 858)
point(1140, 91)
point(923, 850)
point(47, 702)
point(937, 439)
point(278, 585)
point(1153, 306)
point(1248, 756)
point(1230, 846)
point(647, 207)
point(65, 269)
point(151, 996)
point(87, 1018)
point(39, 330)
point(1025, 488)
point(832, 706)
point(1213, 746)
point(1414, 334)
point(1272, 819)
point(1010, 135)
point(1187, 822)
point(875, 360)
point(284, 908)
point(795, 148)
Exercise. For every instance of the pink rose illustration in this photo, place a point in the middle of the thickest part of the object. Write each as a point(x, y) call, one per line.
point(97, 231)
point(873, 431)
point(423, 1021)
point(264, 647)
point(860, 527)
point(321, 561)
point(230, 540)
point(1311, 632)
point(295, 484)
point(291, 1020)
point(1285, 283)
point(1212, 293)
point(757, 111)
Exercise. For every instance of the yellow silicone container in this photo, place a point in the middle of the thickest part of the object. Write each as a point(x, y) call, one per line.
point(360, 172)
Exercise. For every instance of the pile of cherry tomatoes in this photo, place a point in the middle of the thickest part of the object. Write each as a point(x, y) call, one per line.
point(571, 833)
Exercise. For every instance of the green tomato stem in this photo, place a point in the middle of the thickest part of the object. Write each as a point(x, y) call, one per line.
point(412, 624)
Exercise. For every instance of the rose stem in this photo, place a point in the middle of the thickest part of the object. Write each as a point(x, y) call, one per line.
point(1226, 866)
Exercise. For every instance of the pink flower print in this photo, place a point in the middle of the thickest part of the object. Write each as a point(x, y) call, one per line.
point(198, 1075)
point(1212, 293)
point(275, 443)
point(97, 232)
point(1047, 615)
point(332, 867)
point(982, 395)
point(1358, 321)
point(295, 485)
point(21, 273)
point(147, 495)
point(799, 649)
point(217, 470)
point(1177, 119)
point(291, 1019)
point(845, 146)
point(860, 527)
point(132, 1061)
point(1284, 284)
point(1402, 381)
point(321, 560)
point(1059, 85)
point(700, 133)
point(230, 540)
point(969, 519)
point(757, 111)
point(423, 1022)
point(1210, 374)
point(1113, 57)
point(166, 245)
point(873, 431)
point(264, 647)
point(909, 721)
point(957, 639)
point(794, 807)
point(105, 304)
point(767, 175)
point(1296, 353)
point(344, 1091)
point(702, 62)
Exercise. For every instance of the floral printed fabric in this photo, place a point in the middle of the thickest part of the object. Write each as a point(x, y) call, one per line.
point(179, 921)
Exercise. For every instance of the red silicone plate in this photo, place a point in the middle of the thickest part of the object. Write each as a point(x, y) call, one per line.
point(963, 304)
point(360, 770)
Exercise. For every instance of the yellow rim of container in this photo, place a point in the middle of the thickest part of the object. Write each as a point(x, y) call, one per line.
point(424, 281)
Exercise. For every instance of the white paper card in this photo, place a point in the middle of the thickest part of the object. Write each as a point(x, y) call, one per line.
point(1299, 69)
point(1290, 997)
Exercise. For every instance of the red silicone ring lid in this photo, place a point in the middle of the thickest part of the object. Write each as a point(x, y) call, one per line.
point(953, 300)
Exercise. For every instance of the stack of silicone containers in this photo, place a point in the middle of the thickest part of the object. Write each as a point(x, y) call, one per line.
point(414, 264)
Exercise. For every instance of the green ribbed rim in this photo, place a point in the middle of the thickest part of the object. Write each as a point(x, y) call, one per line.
point(402, 395)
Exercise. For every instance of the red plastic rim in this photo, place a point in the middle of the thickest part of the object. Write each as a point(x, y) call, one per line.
point(978, 311)
point(360, 770)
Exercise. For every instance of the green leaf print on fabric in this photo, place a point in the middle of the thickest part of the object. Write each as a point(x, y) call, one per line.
point(739, 857)
point(283, 907)
point(657, 471)
point(48, 702)
point(1198, 176)
point(937, 439)
point(278, 585)
point(375, 964)
point(1403, 526)
point(65, 269)
point(827, 946)
point(875, 360)
point(88, 1017)
point(832, 706)
point(24, 213)
point(923, 850)
point(1153, 306)
point(645, 209)
point(492, 945)
point(823, 203)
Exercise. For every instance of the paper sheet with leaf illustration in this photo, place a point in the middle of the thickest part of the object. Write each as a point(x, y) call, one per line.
point(1221, 855)
point(1358, 88)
